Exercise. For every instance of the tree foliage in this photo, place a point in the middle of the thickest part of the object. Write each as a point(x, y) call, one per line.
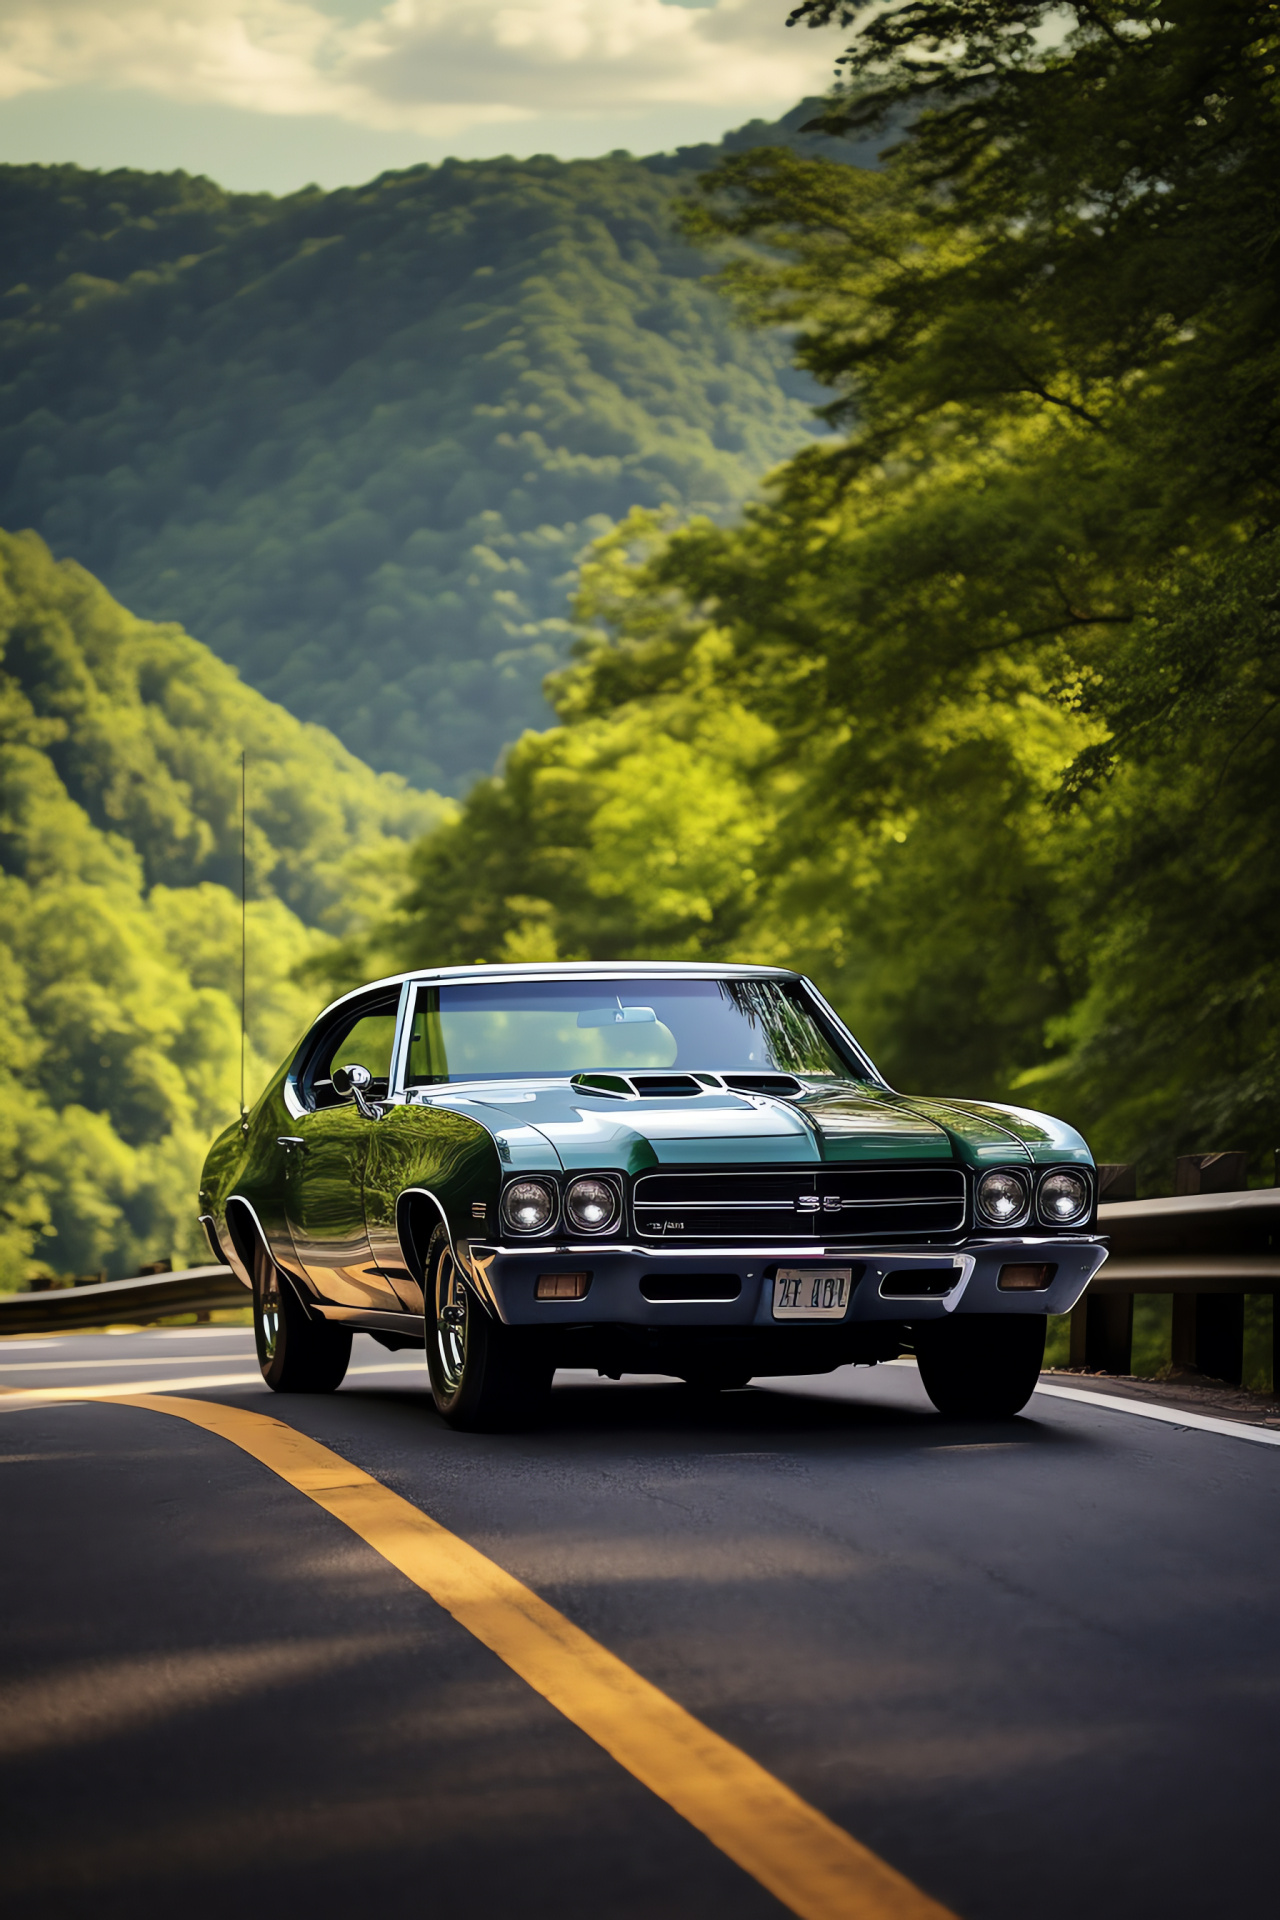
point(120, 747)
point(356, 440)
point(991, 678)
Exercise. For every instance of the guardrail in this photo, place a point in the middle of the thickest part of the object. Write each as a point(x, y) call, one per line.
point(138, 1302)
point(1205, 1249)
point(1208, 1250)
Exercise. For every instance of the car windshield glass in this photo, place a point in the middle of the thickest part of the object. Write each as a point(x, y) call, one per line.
point(494, 1029)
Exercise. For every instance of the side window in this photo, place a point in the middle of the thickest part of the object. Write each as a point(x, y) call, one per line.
point(426, 1044)
point(364, 1037)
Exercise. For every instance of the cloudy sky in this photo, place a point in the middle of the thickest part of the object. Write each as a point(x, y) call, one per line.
point(273, 93)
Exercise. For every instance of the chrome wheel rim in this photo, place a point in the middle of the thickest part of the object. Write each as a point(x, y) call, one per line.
point(269, 1312)
point(451, 1323)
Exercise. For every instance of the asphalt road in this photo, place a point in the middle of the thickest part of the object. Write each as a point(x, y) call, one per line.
point(1036, 1667)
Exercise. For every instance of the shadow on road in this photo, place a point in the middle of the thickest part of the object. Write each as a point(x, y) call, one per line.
point(749, 1417)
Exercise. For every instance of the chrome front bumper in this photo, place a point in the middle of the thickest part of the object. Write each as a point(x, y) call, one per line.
point(506, 1278)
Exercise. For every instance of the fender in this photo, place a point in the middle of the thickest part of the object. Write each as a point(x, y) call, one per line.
point(240, 1260)
point(462, 1256)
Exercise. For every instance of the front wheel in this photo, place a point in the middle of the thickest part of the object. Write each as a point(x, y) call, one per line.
point(484, 1377)
point(297, 1353)
point(981, 1366)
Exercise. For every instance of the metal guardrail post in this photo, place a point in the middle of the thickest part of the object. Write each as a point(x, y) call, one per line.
point(1102, 1324)
point(1208, 1328)
point(1102, 1333)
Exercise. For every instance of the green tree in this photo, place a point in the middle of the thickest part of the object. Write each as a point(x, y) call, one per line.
point(120, 748)
point(357, 439)
point(1010, 638)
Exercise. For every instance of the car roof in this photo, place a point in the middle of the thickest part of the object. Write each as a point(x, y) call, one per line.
point(575, 970)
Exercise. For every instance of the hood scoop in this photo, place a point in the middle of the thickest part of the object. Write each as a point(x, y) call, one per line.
point(783, 1084)
point(638, 1086)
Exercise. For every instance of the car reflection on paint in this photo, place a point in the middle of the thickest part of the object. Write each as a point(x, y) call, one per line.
point(638, 1168)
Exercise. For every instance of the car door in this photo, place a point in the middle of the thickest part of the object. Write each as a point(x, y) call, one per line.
point(445, 1154)
point(326, 1154)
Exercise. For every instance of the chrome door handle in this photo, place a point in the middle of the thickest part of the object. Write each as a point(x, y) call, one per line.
point(287, 1140)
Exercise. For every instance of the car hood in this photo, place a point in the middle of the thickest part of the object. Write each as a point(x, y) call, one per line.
point(553, 1124)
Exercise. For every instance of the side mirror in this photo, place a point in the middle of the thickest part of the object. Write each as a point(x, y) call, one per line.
point(354, 1080)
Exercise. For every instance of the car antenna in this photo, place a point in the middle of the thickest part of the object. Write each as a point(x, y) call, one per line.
point(243, 932)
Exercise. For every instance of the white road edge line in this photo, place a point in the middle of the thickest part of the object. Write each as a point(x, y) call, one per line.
point(1202, 1422)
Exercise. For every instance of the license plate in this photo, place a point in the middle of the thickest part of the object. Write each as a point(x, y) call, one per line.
point(812, 1293)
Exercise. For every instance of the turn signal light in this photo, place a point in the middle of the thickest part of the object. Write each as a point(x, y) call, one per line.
point(562, 1286)
point(1026, 1279)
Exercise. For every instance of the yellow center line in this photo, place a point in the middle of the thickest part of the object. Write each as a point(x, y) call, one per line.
point(15, 1399)
point(811, 1865)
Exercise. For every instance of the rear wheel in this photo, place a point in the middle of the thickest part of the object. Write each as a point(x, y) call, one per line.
point(298, 1353)
point(484, 1377)
point(981, 1366)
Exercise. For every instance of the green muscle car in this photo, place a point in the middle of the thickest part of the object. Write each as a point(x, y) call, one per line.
point(638, 1168)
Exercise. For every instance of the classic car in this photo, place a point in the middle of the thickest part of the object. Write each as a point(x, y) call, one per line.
point(657, 1168)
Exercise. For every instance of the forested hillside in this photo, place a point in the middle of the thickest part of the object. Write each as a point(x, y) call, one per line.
point(355, 440)
point(119, 917)
point(977, 714)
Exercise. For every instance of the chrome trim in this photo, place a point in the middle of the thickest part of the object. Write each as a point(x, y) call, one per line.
point(570, 970)
point(460, 1250)
point(843, 1031)
point(950, 1300)
point(536, 1180)
point(799, 1205)
point(307, 1300)
point(234, 1258)
point(371, 1317)
point(585, 970)
point(216, 1247)
point(294, 1104)
point(1028, 1188)
point(1047, 1173)
point(399, 1044)
point(808, 1248)
point(613, 1182)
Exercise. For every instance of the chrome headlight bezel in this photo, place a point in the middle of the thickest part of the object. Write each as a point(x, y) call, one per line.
point(1020, 1179)
point(612, 1187)
point(513, 1187)
point(1082, 1212)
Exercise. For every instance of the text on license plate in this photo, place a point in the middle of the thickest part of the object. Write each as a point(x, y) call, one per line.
point(812, 1293)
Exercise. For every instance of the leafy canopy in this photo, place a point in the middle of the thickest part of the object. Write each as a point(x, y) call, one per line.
point(977, 712)
point(120, 748)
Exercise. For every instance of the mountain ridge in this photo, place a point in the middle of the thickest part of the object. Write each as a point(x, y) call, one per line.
point(357, 440)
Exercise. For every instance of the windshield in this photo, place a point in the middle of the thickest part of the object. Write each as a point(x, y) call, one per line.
point(482, 1029)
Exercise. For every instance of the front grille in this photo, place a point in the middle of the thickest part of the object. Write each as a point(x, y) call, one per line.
point(864, 1203)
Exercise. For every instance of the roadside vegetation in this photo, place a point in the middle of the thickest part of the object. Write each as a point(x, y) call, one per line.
point(976, 714)
point(120, 918)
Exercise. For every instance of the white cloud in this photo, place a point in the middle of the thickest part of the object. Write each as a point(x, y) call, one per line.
point(431, 67)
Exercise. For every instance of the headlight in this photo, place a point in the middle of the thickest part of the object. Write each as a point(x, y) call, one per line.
point(1002, 1197)
point(529, 1206)
point(1063, 1197)
point(592, 1205)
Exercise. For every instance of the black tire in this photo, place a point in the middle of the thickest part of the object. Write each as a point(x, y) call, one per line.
point(298, 1352)
point(485, 1378)
point(981, 1366)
